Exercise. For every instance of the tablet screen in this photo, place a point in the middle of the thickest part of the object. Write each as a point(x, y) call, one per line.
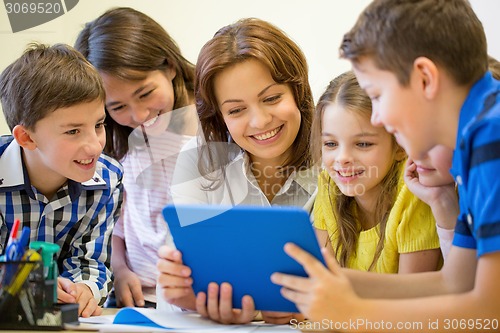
point(242, 245)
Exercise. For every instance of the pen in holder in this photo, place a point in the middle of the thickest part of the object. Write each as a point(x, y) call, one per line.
point(17, 298)
point(27, 297)
point(50, 270)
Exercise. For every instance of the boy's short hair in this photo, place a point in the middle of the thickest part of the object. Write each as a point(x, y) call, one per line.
point(395, 32)
point(44, 79)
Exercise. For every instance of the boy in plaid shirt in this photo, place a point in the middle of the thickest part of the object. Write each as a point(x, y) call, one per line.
point(53, 175)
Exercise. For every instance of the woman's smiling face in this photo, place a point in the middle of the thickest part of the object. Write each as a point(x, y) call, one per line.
point(261, 115)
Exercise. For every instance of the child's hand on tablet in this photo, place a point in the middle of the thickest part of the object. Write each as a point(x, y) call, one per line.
point(175, 278)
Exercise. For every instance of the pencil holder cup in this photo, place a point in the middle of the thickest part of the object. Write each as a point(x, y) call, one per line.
point(27, 301)
point(21, 292)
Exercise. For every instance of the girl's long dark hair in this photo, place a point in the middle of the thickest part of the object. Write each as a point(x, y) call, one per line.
point(128, 44)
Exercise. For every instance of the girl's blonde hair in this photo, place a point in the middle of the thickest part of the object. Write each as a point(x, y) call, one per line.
point(346, 92)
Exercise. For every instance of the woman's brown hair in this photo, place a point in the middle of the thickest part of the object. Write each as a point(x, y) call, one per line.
point(245, 39)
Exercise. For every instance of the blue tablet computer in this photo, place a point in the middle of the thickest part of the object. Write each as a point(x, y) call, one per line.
point(242, 245)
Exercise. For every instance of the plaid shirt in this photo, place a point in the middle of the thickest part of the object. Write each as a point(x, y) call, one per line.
point(80, 218)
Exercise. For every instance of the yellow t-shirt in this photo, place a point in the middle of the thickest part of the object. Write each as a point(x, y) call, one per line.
point(410, 227)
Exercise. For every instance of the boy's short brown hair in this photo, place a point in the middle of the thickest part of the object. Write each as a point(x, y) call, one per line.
point(395, 32)
point(44, 79)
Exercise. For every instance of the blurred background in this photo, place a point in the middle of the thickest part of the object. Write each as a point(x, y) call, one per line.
point(316, 25)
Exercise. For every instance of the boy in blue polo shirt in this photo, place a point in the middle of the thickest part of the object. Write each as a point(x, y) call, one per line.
point(54, 177)
point(424, 64)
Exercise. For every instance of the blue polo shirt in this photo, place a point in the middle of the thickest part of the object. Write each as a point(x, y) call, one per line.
point(476, 168)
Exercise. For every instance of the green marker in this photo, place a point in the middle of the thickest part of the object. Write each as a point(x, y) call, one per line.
point(48, 252)
point(50, 270)
point(10, 291)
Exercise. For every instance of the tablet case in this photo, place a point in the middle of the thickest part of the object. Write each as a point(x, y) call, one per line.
point(242, 245)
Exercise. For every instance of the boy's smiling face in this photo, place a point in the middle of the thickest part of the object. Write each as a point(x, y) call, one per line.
point(66, 144)
point(404, 111)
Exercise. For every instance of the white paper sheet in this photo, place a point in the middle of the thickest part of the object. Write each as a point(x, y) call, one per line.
point(152, 320)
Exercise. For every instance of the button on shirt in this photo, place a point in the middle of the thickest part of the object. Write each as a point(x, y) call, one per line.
point(79, 218)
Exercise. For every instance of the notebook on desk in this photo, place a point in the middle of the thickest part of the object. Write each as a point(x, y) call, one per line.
point(242, 245)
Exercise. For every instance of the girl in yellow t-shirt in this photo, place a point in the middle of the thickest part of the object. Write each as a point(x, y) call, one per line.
point(364, 212)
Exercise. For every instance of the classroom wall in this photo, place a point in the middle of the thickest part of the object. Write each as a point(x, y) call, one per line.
point(316, 25)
